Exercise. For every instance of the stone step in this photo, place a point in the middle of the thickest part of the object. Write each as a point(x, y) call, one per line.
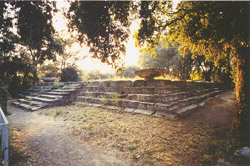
point(132, 90)
point(130, 110)
point(33, 103)
point(154, 98)
point(64, 90)
point(41, 87)
point(111, 95)
point(108, 83)
point(27, 106)
point(161, 98)
point(101, 89)
point(58, 93)
point(168, 107)
point(41, 99)
point(51, 96)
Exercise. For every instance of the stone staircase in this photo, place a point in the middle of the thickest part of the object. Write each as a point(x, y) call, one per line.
point(160, 98)
point(48, 95)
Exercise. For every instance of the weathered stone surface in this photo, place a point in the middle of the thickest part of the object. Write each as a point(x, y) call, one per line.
point(167, 115)
point(142, 105)
point(121, 83)
point(129, 109)
point(139, 83)
point(161, 107)
point(164, 96)
point(144, 112)
point(185, 109)
point(54, 97)
point(158, 83)
point(132, 104)
point(149, 74)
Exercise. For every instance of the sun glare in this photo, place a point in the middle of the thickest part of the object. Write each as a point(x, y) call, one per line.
point(87, 63)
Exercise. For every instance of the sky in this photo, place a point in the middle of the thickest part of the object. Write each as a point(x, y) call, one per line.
point(88, 63)
point(132, 52)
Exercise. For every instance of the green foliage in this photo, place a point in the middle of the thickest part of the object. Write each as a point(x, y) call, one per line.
point(105, 31)
point(66, 55)
point(49, 70)
point(221, 149)
point(196, 75)
point(70, 74)
point(128, 72)
point(15, 86)
point(34, 26)
point(96, 75)
point(158, 57)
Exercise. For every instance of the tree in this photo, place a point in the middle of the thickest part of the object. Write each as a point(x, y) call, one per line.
point(158, 57)
point(220, 31)
point(7, 38)
point(103, 26)
point(70, 74)
point(127, 72)
point(66, 55)
point(34, 26)
point(14, 68)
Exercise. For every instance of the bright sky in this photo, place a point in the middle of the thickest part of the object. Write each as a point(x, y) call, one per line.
point(132, 53)
point(89, 63)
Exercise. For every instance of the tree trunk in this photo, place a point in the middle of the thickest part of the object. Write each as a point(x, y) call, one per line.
point(24, 83)
point(241, 121)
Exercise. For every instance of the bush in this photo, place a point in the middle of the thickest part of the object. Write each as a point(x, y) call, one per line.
point(70, 74)
point(15, 86)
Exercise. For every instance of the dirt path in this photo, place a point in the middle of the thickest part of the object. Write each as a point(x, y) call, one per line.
point(46, 139)
point(218, 111)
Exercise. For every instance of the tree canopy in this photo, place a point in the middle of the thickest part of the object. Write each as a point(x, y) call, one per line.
point(217, 30)
point(103, 26)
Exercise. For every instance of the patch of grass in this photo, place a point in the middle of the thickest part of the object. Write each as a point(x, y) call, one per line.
point(18, 153)
point(132, 147)
point(220, 148)
point(145, 140)
point(90, 133)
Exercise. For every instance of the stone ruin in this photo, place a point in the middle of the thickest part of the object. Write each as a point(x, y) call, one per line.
point(159, 98)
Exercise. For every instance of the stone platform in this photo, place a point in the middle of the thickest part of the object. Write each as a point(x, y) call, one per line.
point(160, 98)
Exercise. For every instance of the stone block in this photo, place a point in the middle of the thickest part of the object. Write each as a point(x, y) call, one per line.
point(146, 90)
point(139, 83)
point(158, 99)
point(132, 90)
point(145, 97)
point(142, 105)
point(129, 109)
point(125, 103)
point(158, 83)
point(161, 107)
point(132, 104)
point(186, 109)
point(150, 106)
point(144, 112)
point(173, 106)
point(167, 115)
point(161, 90)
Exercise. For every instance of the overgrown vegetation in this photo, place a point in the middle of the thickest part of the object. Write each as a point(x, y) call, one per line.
point(148, 140)
point(70, 74)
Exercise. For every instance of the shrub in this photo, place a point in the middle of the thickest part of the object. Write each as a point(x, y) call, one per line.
point(70, 74)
